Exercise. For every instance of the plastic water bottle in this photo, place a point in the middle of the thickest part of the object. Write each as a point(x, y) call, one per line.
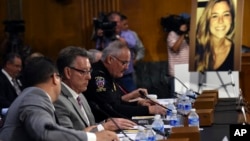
point(193, 118)
point(158, 125)
point(187, 106)
point(174, 119)
point(151, 136)
point(179, 104)
point(170, 109)
point(140, 136)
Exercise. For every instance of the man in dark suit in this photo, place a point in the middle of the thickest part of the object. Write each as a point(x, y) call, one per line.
point(31, 116)
point(103, 90)
point(74, 65)
point(10, 86)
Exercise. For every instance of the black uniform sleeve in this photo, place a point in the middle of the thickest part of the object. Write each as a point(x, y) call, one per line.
point(103, 92)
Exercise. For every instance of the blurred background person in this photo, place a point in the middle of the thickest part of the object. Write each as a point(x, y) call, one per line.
point(94, 55)
point(177, 28)
point(125, 36)
point(214, 44)
point(139, 48)
point(10, 85)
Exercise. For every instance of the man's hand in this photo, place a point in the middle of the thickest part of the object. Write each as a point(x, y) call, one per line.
point(121, 122)
point(106, 136)
point(156, 109)
point(145, 102)
point(134, 94)
point(99, 32)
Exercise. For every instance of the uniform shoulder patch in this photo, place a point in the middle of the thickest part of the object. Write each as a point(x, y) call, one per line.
point(100, 83)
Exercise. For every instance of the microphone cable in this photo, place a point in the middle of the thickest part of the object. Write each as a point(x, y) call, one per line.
point(105, 113)
point(145, 97)
point(117, 113)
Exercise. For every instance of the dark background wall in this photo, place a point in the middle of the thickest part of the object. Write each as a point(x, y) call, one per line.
point(54, 24)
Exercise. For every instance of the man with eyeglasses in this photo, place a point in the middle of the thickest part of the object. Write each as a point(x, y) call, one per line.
point(104, 91)
point(72, 108)
point(127, 81)
point(31, 116)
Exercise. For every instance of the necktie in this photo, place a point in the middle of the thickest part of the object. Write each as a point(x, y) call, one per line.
point(81, 106)
point(16, 86)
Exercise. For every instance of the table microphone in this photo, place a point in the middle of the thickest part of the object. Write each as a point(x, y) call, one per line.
point(51, 127)
point(105, 113)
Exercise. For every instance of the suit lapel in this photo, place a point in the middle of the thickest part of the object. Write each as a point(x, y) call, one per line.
point(75, 104)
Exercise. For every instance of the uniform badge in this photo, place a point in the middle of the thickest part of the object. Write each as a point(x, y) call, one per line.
point(100, 83)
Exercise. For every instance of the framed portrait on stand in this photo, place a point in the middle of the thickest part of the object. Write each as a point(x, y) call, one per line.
point(216, 35)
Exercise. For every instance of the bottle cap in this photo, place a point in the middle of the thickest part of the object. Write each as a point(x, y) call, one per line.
point(140, 128)
point(174, 111)
point(157, 116)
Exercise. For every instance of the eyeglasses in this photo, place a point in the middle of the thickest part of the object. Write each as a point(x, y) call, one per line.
point(123, 62)
point(82, 72)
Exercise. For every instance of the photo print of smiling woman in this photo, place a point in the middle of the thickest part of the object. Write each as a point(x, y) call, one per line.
point(216, 35)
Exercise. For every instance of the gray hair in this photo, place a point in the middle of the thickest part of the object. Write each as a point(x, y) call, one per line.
point(114, 48)
point(92, 55)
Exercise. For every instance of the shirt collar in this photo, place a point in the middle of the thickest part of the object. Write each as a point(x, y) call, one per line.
point(7, 75)
point(72, 92)
point(50, 100)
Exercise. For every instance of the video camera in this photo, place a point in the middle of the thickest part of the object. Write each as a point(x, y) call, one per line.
point(102, 22)
point(173, 23)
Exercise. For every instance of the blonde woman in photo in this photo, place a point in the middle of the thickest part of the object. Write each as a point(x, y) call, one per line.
point(214, 44)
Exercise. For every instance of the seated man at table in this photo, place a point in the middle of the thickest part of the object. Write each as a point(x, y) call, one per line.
point(72, 108)
point(102, 88)
point(31, 116)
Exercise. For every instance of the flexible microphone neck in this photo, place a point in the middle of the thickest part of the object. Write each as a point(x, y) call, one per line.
point(183, 84)
point(105, 113)
point(143, 95)
point(190, 96)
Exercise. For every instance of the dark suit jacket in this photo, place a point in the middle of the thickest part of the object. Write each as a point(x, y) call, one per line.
point(69, 113)
point(27, 117)
point(8, 93)
point(102, 91)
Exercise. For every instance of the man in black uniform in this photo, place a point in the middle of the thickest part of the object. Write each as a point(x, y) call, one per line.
point(103, 90)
